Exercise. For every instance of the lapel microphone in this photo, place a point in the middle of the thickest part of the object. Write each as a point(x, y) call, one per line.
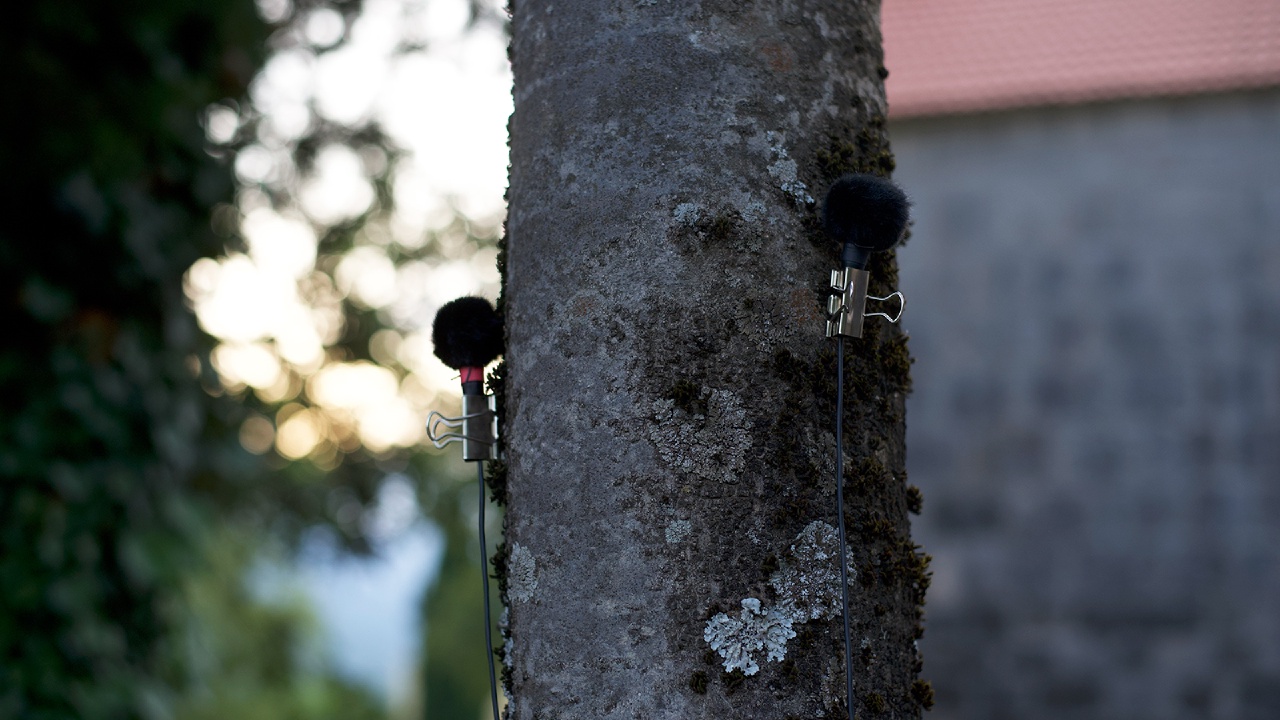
point(865, 214)
point(467, 335)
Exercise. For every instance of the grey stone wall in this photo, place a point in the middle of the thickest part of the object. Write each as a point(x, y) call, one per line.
point(1094, 307)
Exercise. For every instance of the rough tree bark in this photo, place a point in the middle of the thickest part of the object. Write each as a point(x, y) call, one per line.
point(669, 394)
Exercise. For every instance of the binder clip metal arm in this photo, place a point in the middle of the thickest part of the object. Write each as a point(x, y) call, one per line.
point(476, 428)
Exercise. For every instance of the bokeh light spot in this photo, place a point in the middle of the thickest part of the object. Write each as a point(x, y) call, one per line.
point(367, 276)
point(221, 124)
point(299, 434)
point(337, 190)
point(257, 434)
point(253, 364)
point(323, 27)
point(278, 244)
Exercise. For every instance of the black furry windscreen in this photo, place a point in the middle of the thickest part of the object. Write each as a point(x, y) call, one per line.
point(868, 211)
point(467, 332)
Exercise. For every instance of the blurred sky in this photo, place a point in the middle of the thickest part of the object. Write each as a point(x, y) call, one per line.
point(371, 607)
point(442, 91)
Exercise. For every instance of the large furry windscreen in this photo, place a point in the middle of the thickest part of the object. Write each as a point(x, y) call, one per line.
point(467, 332)
point(865, 210)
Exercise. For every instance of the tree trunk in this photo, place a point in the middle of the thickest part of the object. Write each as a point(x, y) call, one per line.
point(670, 394)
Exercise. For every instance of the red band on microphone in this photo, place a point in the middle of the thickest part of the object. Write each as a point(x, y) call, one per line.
point(472, 374)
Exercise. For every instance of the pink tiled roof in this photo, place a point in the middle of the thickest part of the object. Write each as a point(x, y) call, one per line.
point(954, 56)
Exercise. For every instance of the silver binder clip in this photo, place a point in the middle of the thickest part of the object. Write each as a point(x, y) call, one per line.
point(478, 424)
point(847, 305)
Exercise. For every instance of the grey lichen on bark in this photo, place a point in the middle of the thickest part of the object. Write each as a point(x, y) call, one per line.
point(669, 401)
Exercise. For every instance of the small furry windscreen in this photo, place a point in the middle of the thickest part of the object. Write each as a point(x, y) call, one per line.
point(867, 211)
point(467, 332)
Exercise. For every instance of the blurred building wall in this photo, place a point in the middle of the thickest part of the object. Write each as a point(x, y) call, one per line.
point(1094, 308)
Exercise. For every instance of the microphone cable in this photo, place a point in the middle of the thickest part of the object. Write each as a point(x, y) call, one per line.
point(844, 561)
point(484, 577)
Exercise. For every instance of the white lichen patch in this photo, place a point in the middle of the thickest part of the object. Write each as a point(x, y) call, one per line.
point(712, 446)
point(783, 169)
point(808, 585)
point(808, 588)
point(687, 213)
point(677, 531)
point(753, 211)
point(798, 191)
point(522, 574)
point(740, 640)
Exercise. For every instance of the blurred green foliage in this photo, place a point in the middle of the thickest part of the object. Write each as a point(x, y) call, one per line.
point(129, 512)
point(455, 672)
point(256, 659)
point(114, 460)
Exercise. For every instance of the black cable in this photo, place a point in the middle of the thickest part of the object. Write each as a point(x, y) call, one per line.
point(484, 577)
point(844, 562)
